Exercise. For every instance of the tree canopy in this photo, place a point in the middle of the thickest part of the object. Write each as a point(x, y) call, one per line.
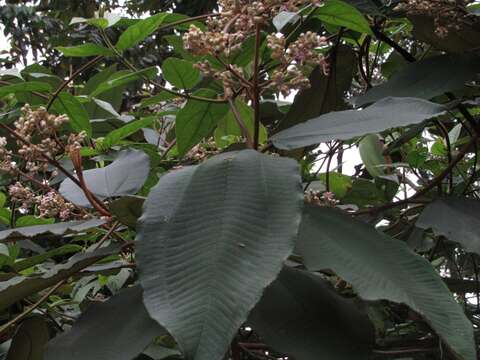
point(178, 180)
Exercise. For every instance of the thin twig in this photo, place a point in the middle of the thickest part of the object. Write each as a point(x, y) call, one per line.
point(256, 89)
point(155, 83)
point(71, 78)
point(241, 123)
point(437, 180)
point(31, 308)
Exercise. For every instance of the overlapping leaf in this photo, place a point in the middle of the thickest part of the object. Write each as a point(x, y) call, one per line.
point(101, 334)
point(29, 340)
point(426, 79)
point(197, 120)
point(19, 287)
point(380, 267)
point(85, 50)
point(326, 93)
point(124, 176)
point(301, 315)
point(456, 219)
point(343, 125)
point(211, 238)
point(61, 228)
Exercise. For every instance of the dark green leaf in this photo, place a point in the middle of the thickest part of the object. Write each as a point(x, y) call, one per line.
point(25, 87)
point(127, 209)
point(180, 73)
point(210, 235)
point(380, 267)
point(196, 120)
point(29, 340)
point(85, 50)
point(343, 125)
point(124, 176)
point(20, 287)
point(456, 219)
point(300, 314)
point(340, 13)
point(123, 78)
point(426, 79)
point(50, 229)
point(114, 137)
point(139, 31)
point(101, 334)
point(66, 103)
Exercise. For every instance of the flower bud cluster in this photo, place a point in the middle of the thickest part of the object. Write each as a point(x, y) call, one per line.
point(22, 195)
point(39, 132)
point(299, 54)
point(74, 142)
point(36, 134)
point(239, 20)
point(327, 199)
point(447, 14)
point(49, 205)
point(53, 205)
point(6, 162)
point(41, 127)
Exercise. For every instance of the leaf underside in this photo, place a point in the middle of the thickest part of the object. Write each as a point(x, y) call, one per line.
point(211, 238)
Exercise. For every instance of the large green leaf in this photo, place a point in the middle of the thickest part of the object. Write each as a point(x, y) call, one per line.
point(139, 31)
point(326, 93)
point(101, 334)
point(456, 219)
point(124, 176)
point(66, 103)
point(115, 136)
point(300, 314)
point(20, 287)
point(380, 267)
point(24, 87)
point(61, 228)
point(113, 96)
point(228, 125)
point(371, 153)
point(23, 264)
point(340, 13)
point(127, 209)
point(426, 79)
point(180, 73)
point(85, 50)
point(196, 120)
point(122, 78)
point(464, 37)
point(108, 19)
point(343, 125)
point(29, 341)
point(211, 238)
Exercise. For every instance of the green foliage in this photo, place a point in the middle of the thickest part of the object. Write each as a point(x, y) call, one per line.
point(85, 50)
point(248, 209)
point(180, 73)
point(139, 31)
point(299, 181)
point(196, 120)
point(342, 14)
point(331, 240)
point(65, 103)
